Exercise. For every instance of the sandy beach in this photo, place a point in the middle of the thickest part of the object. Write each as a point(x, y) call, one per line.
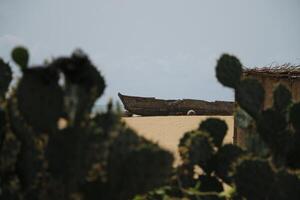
point(167, 130)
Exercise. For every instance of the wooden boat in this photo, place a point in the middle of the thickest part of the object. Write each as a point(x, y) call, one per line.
point(150, 106)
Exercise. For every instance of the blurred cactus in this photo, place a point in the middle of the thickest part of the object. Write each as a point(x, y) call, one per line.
point(125, 180)
point(52, 147)
point(277, 129)
point(2, 126)
point(266, 168)
point(229, 71)
point(209, 184)
point(83, 85)
point(295, 116)
point(285, 186)
point(250, 96)
point(216, 128)
point(282, 98)
point(5, 78)
point(206, 164)
point(21, 56)
point(197, 149)
point(225, 157)
point(38, 93)
point(253, 178)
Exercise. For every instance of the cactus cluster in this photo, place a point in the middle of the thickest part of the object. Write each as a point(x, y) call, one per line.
point(53, 147)
point(266, 168)
point(5, 79)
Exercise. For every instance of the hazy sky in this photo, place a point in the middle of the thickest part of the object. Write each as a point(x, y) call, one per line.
point(161, 48)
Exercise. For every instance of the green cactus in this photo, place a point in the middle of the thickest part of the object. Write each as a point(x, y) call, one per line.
point(216, 128)
point(65, 153)
point(184, 176)
point(183, 146)
point(5, 78)
point(292, 158)
point(250, 96)
point(53, 147)
point(83, 85)
point(210, 184)
point(46, 96)
point(255, 144)
point(199, 151)
point(253, 178)
point(98, 157)
point(9, 150)
point(21, 56)
point(295, 116)
point(282, 98)
point(229, 71)
point(136, 160)
point(270, 125)
point(162, 193)
point(286, 185)
point(225, 159)
point(2, 127)
point(266, 168)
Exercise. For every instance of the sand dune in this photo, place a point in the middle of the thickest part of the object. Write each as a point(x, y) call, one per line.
point(168, 130)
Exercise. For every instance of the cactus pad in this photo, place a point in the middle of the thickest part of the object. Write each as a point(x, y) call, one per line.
point(40, 98)
point(229, 70)
point(210, 184)
point(216, 128)
point(21, 56)
point(250, 96)
point(286, 186)
point(5, 77)
point(253, 178)
point(270, 125)
point(200, 150)
point(295, 116)
point(224, 161)
point(282, 98)
point(83, 85)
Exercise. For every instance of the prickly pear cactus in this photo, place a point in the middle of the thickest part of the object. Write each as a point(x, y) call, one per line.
point(267, 167)
point(216, 128)
point(295, 116)
point(206, 164)
point(83, 85)
point(282, 98)
point(225, 157)
point(229, 70)
point(2, 126)
point(253, 178)
point(210, 184)
point(127, 174)
point(5, 78)
point(277, 128)
point(250, 96)
point(21, 56)
point(286, 185)
point(46, 96)
point(53, 147)
point(198, 149)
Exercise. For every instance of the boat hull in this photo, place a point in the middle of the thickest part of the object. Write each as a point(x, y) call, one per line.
point(150, 106)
